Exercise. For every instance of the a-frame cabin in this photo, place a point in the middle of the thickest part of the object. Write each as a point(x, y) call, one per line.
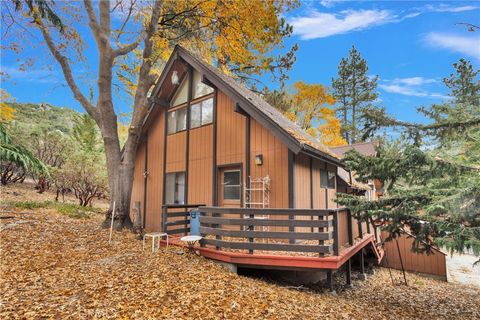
point(265, 188)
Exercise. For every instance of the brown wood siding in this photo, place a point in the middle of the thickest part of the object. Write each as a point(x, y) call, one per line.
point(200, 166)
point(318, 192)
point(155, 174)
point(434, 264)
point(230, 132)
point(275, 163)
point(176, 148)
point(138, 180)
point(302, 192)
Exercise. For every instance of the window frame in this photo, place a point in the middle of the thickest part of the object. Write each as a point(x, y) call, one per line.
point(175, 173)
point(224, 185)
point(200, 101)
point(184, 106)
point(327, 172)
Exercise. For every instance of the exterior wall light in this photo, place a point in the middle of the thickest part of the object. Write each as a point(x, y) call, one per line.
point(259, 159)
point(175, 79)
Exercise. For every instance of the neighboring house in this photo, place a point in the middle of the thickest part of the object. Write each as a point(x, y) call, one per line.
point(262, 183)
point(374, 188)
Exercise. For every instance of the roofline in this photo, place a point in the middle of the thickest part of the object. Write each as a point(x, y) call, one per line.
point(292, 143)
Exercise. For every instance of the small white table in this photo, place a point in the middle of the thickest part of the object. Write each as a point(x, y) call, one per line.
point(155, 236)
point(191, 240)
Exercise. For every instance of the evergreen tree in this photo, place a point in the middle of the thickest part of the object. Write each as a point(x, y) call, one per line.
point(354, 91)
point(433, 193)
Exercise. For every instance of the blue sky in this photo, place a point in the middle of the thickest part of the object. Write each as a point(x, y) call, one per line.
point(411, 46)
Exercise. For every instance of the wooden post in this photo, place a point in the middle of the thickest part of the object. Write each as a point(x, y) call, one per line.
point(185, 230)
point(330, 281)
point(350, 227)
point(164, 218)
point(336, 237)
point(360, 231)
point(349, 272)
point(362, 262)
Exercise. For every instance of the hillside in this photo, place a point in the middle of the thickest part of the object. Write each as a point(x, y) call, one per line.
point(30, 117)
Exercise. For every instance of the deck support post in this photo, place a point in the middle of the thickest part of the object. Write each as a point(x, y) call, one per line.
point(164, 218)
point(349, 272)
point(363, 275)
point(330, 281)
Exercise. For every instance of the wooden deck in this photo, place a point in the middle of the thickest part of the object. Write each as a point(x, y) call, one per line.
point(292, 239)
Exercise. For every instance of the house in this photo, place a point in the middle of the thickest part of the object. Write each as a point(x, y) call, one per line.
point(374, 189)
point(265, 189)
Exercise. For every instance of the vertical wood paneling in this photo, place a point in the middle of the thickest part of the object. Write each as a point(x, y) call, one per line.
point(138, 180)
point(434, 264)
point(230, 132)
point(302, 187)
point(155, 174)
point(200, 166)
point(275, 165)
point(176, 147)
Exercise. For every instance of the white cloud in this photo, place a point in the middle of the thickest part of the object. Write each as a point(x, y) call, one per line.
point(414, 81)
point(320, 25)
point(413, 87)
point(466, 45)
point(316, 24)
point(37, 75)
point(447, 8)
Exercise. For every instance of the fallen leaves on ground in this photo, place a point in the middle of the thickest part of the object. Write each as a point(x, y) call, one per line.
point(58, 267)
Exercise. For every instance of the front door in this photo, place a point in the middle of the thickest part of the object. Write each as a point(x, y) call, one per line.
point(230, 186)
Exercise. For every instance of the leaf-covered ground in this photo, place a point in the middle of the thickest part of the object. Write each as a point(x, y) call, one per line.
point(54, 266)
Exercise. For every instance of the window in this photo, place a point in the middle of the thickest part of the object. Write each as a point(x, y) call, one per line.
point(181, 95)
point(232, 188)
point(327, 179)
point(177, 120)
point(199, 89)
point(201, 113)
point(175, 188)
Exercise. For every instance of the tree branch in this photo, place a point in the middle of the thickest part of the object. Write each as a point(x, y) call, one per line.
point(93, 23)
point(67, 71)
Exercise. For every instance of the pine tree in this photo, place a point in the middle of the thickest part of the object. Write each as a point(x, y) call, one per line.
point(433, 193)
point(354, 91)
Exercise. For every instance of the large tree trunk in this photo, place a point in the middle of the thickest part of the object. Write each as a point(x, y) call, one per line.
point(121, 184)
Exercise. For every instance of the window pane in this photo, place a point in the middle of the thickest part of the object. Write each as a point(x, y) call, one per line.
point(331, 180)
point(181, 115)
point(207, 111)
point(323, 179)
point(231, 178)
point(232, 189)
point(170, 188)
point(180, 188)
point(172, 122)
point(231, 192)
point(200, 89)
point(181, 95)
point(195, 114)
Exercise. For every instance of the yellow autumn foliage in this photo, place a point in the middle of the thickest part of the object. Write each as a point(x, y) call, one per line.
point(311, 105)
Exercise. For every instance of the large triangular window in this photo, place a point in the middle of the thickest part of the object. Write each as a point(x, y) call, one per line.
point(181, 95)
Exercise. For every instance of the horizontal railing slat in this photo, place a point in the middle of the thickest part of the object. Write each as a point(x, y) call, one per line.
point(268, 211)
point(267, 234)
point(268, 246)
point(177, 214)
point(175, 231)
point(177, 223)
point(266, 222)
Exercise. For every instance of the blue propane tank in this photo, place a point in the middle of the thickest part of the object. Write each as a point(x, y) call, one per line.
point(195, 222)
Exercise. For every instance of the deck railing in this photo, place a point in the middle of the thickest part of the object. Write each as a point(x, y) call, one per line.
point(176, 218)
point(294, 230)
